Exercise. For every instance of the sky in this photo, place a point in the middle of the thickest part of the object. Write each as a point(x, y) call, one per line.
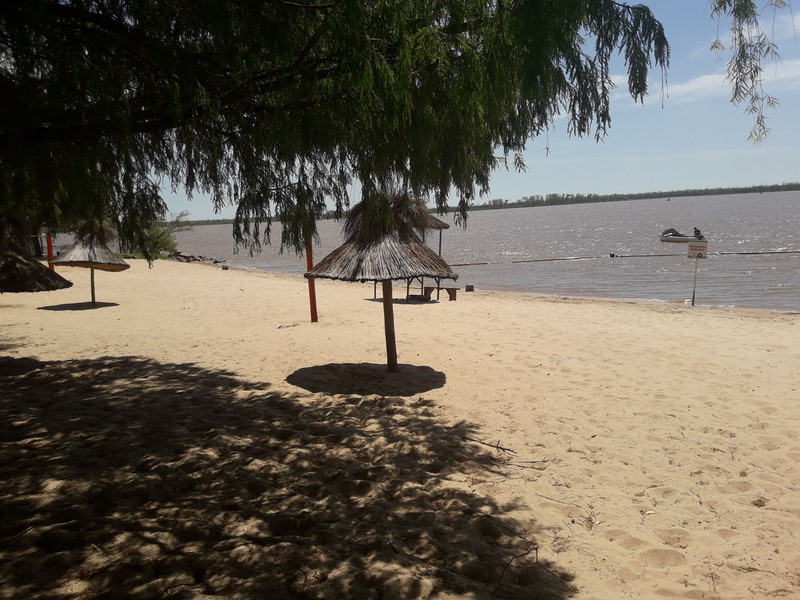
point(686, 135)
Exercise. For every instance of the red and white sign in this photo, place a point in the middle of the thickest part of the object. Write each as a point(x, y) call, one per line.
point(698, 249)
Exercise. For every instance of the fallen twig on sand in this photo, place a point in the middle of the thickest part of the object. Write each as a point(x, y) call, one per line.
point(534, 548)
point(528, 464)
point(744, 568)
point(15, 538)
point(559, 501)
point(168, 588)
point(496, 446)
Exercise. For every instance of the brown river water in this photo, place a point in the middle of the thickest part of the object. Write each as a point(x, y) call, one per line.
point(754, 250)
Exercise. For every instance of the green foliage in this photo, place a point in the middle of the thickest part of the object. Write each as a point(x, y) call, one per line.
point(749, 47)
point(91, 232)
point(394, 211)
point(276, 106)
point(160, 237)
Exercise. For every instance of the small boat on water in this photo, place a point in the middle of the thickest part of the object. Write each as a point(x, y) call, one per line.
point(673, 235)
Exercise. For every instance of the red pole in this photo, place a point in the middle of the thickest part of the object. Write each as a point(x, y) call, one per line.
point(312, 293)
point(50, 251)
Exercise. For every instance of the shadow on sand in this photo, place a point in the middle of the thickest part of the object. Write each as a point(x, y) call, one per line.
point(129, 478)
point(413, 300)
point(367, 379)
point(79, 306)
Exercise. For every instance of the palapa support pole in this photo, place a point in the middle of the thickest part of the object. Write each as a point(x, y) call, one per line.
point(92, 278)
point(50, 252)
point(312, 292)
point(388, 323)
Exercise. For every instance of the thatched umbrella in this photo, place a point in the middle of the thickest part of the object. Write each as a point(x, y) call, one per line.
point(91, 256)
point(20, 273)
point(382, 245)
point(437, 224)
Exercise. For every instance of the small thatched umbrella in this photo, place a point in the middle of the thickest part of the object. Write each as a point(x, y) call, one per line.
point(19, 273)
point(382, 245)
point(437, 224)
point(91, 256)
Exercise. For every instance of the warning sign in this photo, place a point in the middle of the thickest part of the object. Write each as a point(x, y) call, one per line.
point(698, 249)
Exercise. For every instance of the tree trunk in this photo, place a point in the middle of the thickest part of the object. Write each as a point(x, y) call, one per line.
point(388, 322)
point(5, 235)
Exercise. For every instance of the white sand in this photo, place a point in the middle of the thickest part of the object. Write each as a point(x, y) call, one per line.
point(198, 435)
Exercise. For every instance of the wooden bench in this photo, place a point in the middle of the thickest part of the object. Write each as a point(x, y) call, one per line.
point(451, 291)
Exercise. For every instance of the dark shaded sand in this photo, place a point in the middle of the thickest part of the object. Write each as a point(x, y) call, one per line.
point(130, 478)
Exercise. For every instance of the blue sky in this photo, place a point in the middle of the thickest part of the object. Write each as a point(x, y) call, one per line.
point(685, 135)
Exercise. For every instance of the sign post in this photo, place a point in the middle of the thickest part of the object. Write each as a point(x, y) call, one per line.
point(697, 249)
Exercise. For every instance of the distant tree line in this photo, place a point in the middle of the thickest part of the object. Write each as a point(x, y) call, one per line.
point(556, 199)
point(192, 223)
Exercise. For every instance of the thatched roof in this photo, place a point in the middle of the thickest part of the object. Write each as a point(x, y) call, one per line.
point(397, 255)
point(91, 257)
point(19, 273)
point(435, 223)
point(392, 212)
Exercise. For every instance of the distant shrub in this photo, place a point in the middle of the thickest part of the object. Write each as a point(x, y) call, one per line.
point(160, 238)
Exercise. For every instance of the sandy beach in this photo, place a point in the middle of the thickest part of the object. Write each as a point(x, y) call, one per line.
point(196, 436)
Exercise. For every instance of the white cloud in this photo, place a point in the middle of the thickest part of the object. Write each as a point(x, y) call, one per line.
point(705, 86)
point(786, 26)
point(620, 81)
point(784, 73)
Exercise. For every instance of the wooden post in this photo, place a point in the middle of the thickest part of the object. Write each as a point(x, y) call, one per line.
point(92, 278)
point(388, 323)
point(697, 250)
point(312, 292)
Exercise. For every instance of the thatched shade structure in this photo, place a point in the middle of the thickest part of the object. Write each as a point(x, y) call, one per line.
point(95, 257)
point(19, 273)
point(401, 255)
point(432, 222)
point(383, 246)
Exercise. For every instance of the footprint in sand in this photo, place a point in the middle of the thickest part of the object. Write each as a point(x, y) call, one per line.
point(662, 557)
point(625, 540)
point(735, 487)
point(628, 574)
point(677, 538)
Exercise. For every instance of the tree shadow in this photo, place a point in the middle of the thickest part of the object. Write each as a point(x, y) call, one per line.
point(367, 379)
point(129, 478)
point(79, 306)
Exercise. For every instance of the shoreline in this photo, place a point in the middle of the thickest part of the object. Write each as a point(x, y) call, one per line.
point(196, 426)
point(534, 294)
point(748, 280)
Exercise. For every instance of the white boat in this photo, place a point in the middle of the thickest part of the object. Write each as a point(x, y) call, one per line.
point(673, 235)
